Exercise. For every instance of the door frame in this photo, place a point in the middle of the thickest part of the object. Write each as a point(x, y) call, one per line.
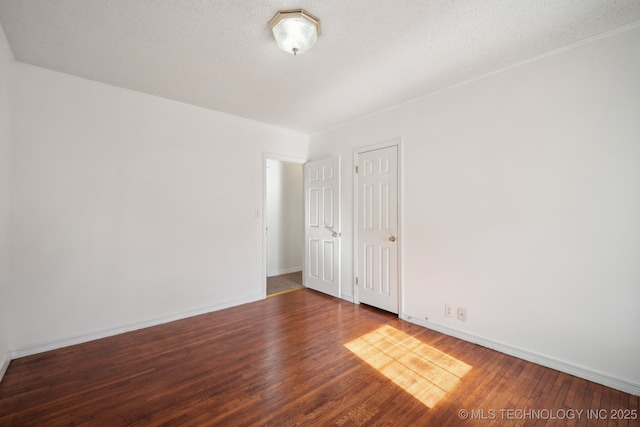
point(397, 142)
point(284, 158)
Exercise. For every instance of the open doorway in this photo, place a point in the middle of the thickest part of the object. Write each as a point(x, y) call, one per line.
point(284, 227)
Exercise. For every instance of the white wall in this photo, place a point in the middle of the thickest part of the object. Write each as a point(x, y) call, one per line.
point(285, 213)
point(293, 218)
point(522, 205)
point(6, 62)
point(129, 209)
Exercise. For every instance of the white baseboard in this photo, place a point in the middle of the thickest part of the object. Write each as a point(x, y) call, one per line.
point(5, 365)
point(549, 362)
point(41, 348)
point(286, 271)
point(349, 298)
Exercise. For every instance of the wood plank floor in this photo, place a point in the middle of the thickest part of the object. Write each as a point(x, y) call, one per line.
point(300, 358)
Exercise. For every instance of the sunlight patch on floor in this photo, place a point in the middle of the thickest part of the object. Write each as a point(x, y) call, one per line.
point(421, 370)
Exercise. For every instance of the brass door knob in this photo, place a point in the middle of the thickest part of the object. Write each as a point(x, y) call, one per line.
point(392, 238)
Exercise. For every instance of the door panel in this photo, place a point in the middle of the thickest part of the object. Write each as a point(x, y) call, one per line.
point(377, 232)
point(322, 235)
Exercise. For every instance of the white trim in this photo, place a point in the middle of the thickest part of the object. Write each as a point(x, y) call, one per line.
point(396, 142)
point(41, 348)
point(540, 359)
point(349, 298)
point(400, 202)
point(5, 365)
point(283, 158)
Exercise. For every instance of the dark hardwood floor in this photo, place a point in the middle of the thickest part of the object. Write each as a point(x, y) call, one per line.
point(300, 358)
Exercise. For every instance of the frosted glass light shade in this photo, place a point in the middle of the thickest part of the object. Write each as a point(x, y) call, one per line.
point(295, 31)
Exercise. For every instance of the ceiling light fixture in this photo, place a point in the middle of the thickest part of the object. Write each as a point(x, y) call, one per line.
point(295, 31)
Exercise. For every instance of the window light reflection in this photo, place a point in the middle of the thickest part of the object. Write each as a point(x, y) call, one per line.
point(421, 370)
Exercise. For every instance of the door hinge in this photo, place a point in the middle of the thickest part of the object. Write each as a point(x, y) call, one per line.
point(356, 280)
point(356, 169)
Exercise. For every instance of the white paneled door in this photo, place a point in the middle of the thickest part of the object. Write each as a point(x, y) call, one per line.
point(377, 228)
point(322, 225)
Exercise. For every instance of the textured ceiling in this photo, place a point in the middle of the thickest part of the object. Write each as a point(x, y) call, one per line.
point(220, 54)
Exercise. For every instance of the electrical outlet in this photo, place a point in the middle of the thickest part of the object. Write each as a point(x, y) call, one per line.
point(462, 314)
point(448, 310)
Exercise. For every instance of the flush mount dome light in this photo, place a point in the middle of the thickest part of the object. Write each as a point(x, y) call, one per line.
point(295, 31)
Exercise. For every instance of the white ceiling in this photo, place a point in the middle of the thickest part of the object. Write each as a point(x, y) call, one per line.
point(220, 54)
